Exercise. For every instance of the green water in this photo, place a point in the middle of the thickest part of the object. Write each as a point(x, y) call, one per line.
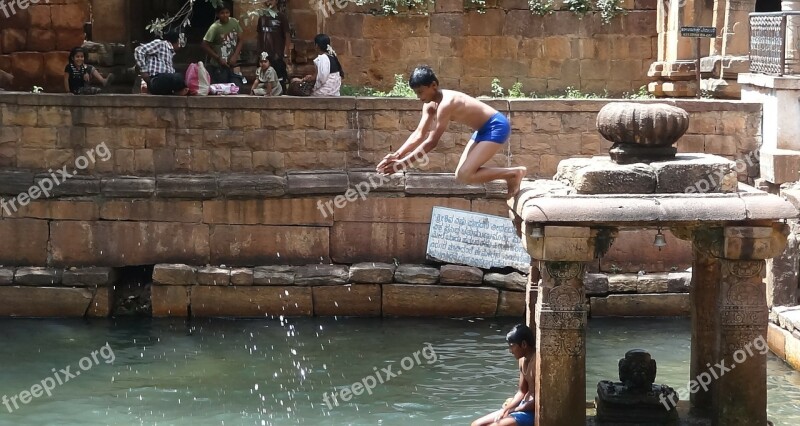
point(225, 372)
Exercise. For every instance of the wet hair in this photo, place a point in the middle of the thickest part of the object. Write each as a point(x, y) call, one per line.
point(521, 333)
point(422, 76)
point(75, 51)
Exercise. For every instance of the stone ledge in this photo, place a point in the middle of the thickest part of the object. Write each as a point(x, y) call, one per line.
point(641, 305)
point(783, 334)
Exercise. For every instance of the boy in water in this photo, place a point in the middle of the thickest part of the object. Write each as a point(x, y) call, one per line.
point(442, 106)
point(519, 410)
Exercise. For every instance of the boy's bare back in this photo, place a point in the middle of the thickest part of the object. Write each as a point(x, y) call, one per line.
point(461, 108)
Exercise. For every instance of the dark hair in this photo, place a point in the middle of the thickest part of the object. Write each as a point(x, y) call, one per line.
point(422, 76)
point(172, 36)
point(322, 41)
point(75, 51)
point(223, 6)
point(521, 333)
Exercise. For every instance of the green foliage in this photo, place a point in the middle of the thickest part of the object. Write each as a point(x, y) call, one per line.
point(37, 89)
point(401, 89)
point(497, 89)
point(476, 5)
point(573, 93)
point(541, 7)
point(579, 7)
point(609, 9)
point(516, 91)
point(642, 93)
point(254, 15)
point(393, 7)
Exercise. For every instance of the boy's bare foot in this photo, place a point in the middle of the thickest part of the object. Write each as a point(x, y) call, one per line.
point(515, 181)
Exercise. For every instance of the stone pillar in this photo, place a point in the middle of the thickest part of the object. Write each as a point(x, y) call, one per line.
point(706, 275)
point(560, 317)
point(532, 295)
point(792, 36)
point(740, 394)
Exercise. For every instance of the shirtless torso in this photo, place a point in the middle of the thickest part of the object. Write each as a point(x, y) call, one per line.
point(458, 107)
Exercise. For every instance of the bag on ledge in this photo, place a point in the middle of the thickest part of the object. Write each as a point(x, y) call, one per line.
point(224, 89)
point(300, 88)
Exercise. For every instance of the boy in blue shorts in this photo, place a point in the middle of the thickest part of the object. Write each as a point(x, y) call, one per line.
point(492, 130)
point(518, 411)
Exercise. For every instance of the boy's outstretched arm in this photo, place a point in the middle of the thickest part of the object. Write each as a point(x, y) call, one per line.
point(414, 139)
point(422, 141)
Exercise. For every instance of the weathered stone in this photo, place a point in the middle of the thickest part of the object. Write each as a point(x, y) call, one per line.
point(100, 306)
point(194, 187)
point(790, 319)
point(119, 243)
point(6, 276)
point(317, 182)
point(440, 184)
point(31, 242)
point(416, 274)
point(89, 277)
point(169, 301)
point(76, 186)
point(280, 211)
point(362, 300)
point(174, 274)
point(321, 275)
point(252, 186)
point(792, 350)
point(622, 283)
point(633, 251)
point(652, 283)
point(694, 173)
point(464, 275)
point(38, 276)
point(251, 301)
point(128, 187)
point(372, 273)
point(353, 242)
point(640, 305)
point(370, 181)
point(241, 245)
point(512, 304)
point(402, 210)
point(513, 281)
point(599, 175)
point(596, 284)
point(241, 276)
point(210, 275)
point(44, 301)
point(15, 182)
point(439, 301)
point(152, 210)
point(783, 271)
point(776, 339)
point(274, 275)
point(679, 282)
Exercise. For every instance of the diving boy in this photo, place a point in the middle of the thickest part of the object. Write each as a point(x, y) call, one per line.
point(519, 410)
point(440, 107)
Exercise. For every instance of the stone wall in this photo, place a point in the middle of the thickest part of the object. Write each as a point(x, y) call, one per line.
point(152, 136)
point(35, 42)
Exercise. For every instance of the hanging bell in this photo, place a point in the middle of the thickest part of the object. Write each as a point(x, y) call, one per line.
point(660, 241)
point(537, 232)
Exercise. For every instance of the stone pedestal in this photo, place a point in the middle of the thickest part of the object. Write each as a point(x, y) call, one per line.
point(792, 36)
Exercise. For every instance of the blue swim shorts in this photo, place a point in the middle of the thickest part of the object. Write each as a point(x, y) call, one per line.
point(523, 418)
point(496, 129)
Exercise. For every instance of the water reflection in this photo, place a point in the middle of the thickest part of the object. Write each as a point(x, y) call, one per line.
point(276, 372)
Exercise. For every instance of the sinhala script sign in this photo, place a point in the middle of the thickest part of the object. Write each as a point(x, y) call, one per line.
point(475, 239)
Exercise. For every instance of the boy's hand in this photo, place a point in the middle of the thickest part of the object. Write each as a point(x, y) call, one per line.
point(388, 161)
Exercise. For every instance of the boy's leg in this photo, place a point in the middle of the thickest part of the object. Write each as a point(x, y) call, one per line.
point(470, 168)
point(487, 419)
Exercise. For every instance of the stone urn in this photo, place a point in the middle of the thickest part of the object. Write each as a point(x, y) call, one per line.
point(642, 132)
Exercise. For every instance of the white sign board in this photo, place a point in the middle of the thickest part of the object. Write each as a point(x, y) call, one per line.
point(475, 239)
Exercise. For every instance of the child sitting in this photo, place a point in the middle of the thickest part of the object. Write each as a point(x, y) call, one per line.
point(78, 75)
point(266, 83)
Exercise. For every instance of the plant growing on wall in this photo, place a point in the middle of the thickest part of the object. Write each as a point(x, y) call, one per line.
point(477, 5)
point(541, 7)
point(609, 9)
point(183, 18)
point(579, 7)
point(392, 7)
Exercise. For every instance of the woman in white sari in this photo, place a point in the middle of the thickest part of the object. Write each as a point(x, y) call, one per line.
point(329, 70)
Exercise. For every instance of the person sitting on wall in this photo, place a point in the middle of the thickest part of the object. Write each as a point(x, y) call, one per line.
point(223, 44)
point(266, 83)
point(329, 73)
point(275, 38)
point(78, 76)
point(154, 60)
point(518, 410)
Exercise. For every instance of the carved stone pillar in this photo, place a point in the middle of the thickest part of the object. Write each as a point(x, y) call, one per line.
point(561, 338)
point(560, 317)
point(706, 275)
point(792, 36)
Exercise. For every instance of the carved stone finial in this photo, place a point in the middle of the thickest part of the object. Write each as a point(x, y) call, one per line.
point(642, 132)
point(637, 370)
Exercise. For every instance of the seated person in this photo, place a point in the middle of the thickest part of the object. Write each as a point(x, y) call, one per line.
point(266, 83)
point(519, 410)
point(154, 61)
point(274, 37)
point(223, 45)
point(329, 73)
point(78, 76)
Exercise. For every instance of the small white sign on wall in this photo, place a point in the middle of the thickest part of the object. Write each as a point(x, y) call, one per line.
point(475, 239)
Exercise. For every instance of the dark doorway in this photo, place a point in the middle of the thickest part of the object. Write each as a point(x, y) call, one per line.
point(768, 5)
point(203, 15)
